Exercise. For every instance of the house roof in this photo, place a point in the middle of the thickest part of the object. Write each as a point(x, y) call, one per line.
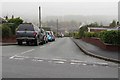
point(98, 28)
point(2, 20)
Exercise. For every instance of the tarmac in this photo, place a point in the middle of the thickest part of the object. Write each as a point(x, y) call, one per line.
point(90, 50)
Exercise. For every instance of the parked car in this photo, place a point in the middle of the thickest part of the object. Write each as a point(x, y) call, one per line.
point(61, 35)
point(44, 36)
point(50, 36)
point(29, 33)
point(53, 36)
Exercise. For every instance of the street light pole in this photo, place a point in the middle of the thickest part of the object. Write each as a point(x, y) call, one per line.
point(39, 16)
point(57, 27)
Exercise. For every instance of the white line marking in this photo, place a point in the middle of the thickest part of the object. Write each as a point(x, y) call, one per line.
point(84, 64)
point(59, 62)
point(77, 61)
point(21, 53)
point(27, 51)
point(72, 63)
point(99, 63)
point(12, 57)
point(37, 60)
point(19, 58)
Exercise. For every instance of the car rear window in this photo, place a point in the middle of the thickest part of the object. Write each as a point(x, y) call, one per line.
point(23, 27)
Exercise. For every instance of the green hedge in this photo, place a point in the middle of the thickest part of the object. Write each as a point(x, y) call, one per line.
point(91, 34)
point(76, 35)
point(110, 37)
point(6, 31)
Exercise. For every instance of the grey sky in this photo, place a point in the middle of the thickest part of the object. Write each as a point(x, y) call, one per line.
point(29, 10)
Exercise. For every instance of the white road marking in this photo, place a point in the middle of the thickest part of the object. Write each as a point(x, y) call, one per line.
point(12, 57)
point(77, 61)
point(18, 57)
point(21, 53)
point(99, 63)
point(59, 62)
point(72, 63)
point(27, 51)
point(38, 60)
point(84, 64)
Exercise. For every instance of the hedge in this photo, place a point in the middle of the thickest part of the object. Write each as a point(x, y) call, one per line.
point(6, 31)
point(110, 37)
point(91, 34)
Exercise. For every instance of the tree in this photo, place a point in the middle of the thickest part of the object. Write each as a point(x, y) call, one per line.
point(95, 24)
point(16, 21)
point(12, 16)
point(6, 17)
point(82, 30)
point(118, 23)
point(6, 31)
point(13, 23)
point(113, 24)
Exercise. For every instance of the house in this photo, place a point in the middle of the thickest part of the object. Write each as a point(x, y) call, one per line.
point(2, 20)
point(115, 28)
point(98, 29)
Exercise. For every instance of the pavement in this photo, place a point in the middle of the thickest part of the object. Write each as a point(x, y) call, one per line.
point(97, 52)
point(7, 44)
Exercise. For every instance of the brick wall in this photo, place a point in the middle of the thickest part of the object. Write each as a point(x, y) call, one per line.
point(99, 43)
point(11, 39)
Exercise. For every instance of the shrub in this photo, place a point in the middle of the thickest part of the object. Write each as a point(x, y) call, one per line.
point(6, 31)
point(91, 34)
point(110, 37)
point(82, 31)
point(76, 35)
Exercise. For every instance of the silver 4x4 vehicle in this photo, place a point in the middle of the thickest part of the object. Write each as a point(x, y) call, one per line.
point(29, 33)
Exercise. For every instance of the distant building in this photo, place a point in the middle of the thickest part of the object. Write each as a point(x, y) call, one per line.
point(115, 28)
point(2, 20)
point(96, 29)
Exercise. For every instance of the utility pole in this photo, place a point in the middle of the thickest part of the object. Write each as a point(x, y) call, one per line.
point(39, 17)
point(57, 27)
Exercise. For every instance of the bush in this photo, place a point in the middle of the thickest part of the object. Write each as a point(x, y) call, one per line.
point(77, 36)
point(110, 37)
point(82, 31)
point(6, 31)
point(91, 34)
point(0, 31)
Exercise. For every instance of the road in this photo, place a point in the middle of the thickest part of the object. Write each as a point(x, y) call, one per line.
point(59, 59)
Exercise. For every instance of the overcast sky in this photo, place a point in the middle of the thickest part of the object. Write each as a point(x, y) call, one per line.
point(29, 10)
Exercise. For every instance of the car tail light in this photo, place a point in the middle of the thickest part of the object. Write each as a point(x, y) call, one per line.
point(34, 33)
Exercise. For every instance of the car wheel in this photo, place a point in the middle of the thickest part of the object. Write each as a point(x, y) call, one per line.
point(27, 42)
point(36, 42)
point(19, 42)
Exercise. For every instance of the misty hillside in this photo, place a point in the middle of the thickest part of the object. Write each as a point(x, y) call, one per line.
point(105, 20)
